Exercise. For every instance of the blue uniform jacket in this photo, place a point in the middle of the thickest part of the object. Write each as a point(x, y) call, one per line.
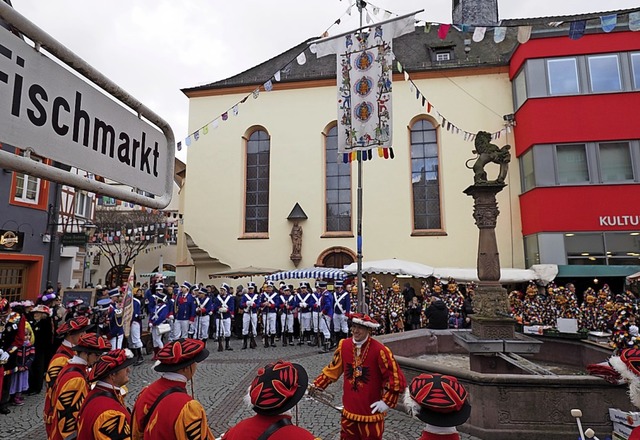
point(137, 311)
point(227, 301)
point(307, 298)
point(204, 306)
point(326, 303)
point(159, 316)
point(184, 307)
point(344, 300)
point(256, 298)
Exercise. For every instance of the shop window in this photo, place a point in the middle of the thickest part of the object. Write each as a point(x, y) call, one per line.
point(563, 76)
point(572, 164)
point(635, 67)
point(425, 176)
point(531, 250)
point(604, 73)
point(623, 248)
point(608, 248)
point(12, 281)
point(615, 162)
point(585, 249)
point(256, 218)
point(337, 187)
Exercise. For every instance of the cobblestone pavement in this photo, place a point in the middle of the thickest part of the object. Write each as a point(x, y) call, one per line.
point(220, 385)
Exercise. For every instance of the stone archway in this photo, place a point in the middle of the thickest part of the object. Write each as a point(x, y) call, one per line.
point(336, 256)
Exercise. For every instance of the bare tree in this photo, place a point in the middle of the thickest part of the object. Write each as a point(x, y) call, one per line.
point(122, 235)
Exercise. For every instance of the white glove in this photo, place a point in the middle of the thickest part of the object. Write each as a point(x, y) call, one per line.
point(250, 303)
point(303, 305)
point(4, 356)
point(224, 309)
point(394, 315)
point(379, 407)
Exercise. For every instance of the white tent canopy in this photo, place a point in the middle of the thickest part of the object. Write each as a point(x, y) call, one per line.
point(633, 277)
point(392, 266)
point(313, 272)
point(544, 273)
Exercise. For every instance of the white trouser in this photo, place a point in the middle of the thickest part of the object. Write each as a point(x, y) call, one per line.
point(315, 320)
point(269, 321)
point(226, 327)
point(286, 321)
point(116, 341)
point(202, 327)
point(249, 318)
point(324, 326)
point(136, 341)
point(156, 337)
point(305, 320)
point(180, 329)
point(340, 321)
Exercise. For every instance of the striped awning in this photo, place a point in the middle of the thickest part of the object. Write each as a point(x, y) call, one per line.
point(314, 272)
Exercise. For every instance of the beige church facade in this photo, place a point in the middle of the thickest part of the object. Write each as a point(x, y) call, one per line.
point(413, 206)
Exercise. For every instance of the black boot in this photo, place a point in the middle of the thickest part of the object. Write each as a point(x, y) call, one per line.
point(284, 339)
point(302, 338)
point(140, 358)
point(324, 345)
point(266, 341)
point(220, 347)
point(313, 340)
point(244, 342)
point(291, 339)
point(227, 344)
point(273, 340)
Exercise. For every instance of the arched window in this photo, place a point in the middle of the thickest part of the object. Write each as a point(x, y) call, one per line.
point(425, 176)
point(337, 187)
point(256, 216)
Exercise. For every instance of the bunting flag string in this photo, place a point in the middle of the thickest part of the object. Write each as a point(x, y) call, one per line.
point(607, 23)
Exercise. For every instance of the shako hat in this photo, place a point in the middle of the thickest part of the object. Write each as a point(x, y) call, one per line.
point(159, 286)
point(74, 325)
point(251, 285)
point(364, 320)
point(115, 292)
point(111, 362)
point(438, 400)
point(179, 354)
point(278, 387)
point(92, 343)
point(186, 285)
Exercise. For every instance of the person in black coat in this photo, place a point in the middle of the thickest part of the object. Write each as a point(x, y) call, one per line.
point(437, 315)
point(42, 326)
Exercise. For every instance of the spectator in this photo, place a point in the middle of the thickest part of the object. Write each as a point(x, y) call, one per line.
point(437, 315)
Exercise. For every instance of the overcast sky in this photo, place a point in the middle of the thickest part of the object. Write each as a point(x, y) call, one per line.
point(153, 48)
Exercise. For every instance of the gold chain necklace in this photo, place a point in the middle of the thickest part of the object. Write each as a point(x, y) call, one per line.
point(359, 360)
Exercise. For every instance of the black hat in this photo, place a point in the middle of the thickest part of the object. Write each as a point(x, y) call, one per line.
point(438, 400)
point(278, 387)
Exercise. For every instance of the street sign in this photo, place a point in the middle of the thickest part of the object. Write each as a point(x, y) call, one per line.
point(54, 113)
point(74, 239)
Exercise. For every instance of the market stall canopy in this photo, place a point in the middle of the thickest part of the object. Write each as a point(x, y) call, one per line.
point(392, 266)
point(313, 272)
point(633, 277)
point(242, 272)
point(165, 273)
point(542, 273)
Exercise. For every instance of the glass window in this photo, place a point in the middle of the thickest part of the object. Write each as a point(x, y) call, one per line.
point(27, 187)
point(635, 67)
point(572, 164)
point(520, 88)
point(425, 176)
point(256, 218)
point(531, 250)
point(337, 187)
point(528, 175)
point(623, 247)
point(584, 245)
point(563, 76)
point(615, 162)
point(83, 204)
point(604, 73)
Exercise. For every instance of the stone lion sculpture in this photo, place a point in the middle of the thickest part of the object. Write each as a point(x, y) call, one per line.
point(488, 152)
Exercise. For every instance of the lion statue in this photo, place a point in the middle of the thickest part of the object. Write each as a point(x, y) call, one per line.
point(488, 152)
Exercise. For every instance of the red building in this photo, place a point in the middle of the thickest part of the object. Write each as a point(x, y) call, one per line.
point(578, 142)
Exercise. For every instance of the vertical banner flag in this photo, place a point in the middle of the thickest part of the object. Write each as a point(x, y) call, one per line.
point(127, 303)
point(364, 74)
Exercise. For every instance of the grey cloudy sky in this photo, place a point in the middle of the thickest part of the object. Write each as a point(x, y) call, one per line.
point(153, 48)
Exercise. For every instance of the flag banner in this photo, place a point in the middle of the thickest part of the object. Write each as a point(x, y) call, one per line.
point(364, 84)
point(127, 303)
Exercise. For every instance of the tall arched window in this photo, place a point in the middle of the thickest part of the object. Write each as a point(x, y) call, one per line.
point(256, 215)
point(337, 187)
point(425, 176)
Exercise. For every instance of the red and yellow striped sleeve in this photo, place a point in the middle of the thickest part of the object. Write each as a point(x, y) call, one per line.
point(111, 425)
point(394, 381)
point(331, 372)
point(192, 423)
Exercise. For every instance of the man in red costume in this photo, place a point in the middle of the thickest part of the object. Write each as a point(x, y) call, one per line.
point(72, 387)
point(372, 383)
point(164, 410)
point(103, 415)
point(439, 401)
point(276, 389)
point(71, 330)
point(627, 364)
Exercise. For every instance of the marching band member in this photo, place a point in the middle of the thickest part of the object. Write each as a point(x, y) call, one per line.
point(135, 331)
point(158, 317)
point(164, 410)
point(223, 307)
point(341, 310)
point(277, 388)
point(184, 312)
point(286, 302)
point(373, 381)
point(250, 302)
point(268, 304)
point(204, 309)
point(103, 414)
point(115, 317)
point(325, 315)
point(305, 304)
point(71, 385)
point(315, 298)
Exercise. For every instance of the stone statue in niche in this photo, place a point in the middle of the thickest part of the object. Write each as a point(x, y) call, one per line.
point(487, 153)
point(296, 243)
